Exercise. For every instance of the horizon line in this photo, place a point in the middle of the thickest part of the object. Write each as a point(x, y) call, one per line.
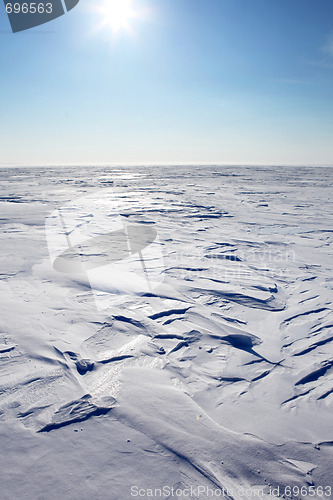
point(162, 164)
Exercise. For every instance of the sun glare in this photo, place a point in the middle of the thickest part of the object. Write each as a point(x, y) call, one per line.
point(117, 14)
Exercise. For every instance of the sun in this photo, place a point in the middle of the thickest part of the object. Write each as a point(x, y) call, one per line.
point(117, 14)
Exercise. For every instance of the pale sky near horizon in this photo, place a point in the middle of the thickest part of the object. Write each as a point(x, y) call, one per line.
point(190, 81)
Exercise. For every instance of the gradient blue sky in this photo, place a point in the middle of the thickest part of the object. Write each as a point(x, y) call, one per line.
point(197, 81)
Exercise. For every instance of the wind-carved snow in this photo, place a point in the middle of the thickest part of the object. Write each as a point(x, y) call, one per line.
point(220, 357)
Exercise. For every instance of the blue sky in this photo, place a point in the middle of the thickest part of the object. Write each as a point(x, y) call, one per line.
point(194, 81)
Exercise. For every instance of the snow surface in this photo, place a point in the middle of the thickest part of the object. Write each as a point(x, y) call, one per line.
point(166, 326)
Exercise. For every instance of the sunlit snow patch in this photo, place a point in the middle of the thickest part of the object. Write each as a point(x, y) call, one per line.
point(89, 237)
